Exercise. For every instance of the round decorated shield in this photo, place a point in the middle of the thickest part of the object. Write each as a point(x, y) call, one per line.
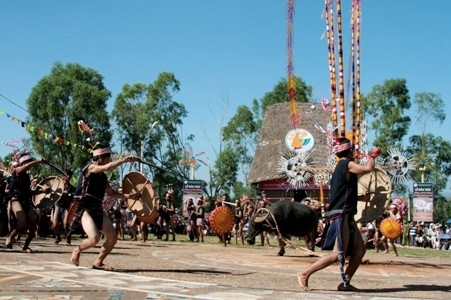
point(222, 219)
point(51, 189)
point(374, 190)
point(140, 196)
point(391, 228)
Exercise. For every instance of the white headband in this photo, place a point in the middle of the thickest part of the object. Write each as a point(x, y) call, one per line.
point(25, 158)
point(101, 151)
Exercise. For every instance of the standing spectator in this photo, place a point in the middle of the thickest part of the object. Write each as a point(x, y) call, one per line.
point(239, 221)
point(248, 209)
point(190, 209)
point(131, 227)
point(434, 233)
point(226, 202)
point(200, 215)
point(264, 235)
point(412, 234)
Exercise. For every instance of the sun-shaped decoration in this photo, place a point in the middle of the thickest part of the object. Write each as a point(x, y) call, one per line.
point(294, 167)
point(398, 165)
point(391, 228)
point(222, 220)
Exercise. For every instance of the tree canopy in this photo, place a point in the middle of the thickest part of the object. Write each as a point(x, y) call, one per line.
point(70, 93)
point(140, 106)
point(386, 104)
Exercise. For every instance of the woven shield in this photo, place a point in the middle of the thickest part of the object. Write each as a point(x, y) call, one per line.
point(140, 196)
point(374, 190)
point(55, 185)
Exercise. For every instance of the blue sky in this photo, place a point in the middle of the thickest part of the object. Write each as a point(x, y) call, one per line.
point(224, 53)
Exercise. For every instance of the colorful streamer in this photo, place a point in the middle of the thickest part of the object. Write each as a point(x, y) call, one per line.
point(337, 88)
point(331, 55)
point(355, 41)
point(291, 79)
point(36, 130)
point(341, 88)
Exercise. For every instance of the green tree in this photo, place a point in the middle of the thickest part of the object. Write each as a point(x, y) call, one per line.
point(429, 108)
point(225, 171)
point(136, 110)
point(241, 133)
point(386, 105)
point(68, 94)
point(436, 164)
point(442, 208)
point(432, 154)
point(280, 94)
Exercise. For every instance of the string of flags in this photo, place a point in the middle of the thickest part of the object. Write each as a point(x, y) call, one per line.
point(39, 131)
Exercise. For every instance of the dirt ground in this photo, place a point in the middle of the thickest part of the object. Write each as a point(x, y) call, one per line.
point(252, 272)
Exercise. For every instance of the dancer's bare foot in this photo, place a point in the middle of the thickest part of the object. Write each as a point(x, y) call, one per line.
point(75, 258)
point(303, 281)
point(9, 243)
point(101, 266)
point(348, 288)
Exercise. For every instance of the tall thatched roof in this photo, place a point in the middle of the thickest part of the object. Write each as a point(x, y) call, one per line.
point(272, 147)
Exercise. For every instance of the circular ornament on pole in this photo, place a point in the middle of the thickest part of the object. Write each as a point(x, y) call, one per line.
point(299, 140)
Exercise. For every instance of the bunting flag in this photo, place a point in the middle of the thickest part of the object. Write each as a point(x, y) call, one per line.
point(41, 132)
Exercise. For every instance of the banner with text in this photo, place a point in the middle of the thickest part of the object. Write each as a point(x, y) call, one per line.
point(192, 189)
point(423, 202)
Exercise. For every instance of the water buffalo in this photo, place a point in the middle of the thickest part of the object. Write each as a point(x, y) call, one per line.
point(285, 219)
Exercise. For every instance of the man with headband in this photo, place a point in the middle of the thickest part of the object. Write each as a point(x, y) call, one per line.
point(92, 186)
point(21, 207)
point(343, 236)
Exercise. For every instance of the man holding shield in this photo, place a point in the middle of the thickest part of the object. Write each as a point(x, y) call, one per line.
point(92, 186)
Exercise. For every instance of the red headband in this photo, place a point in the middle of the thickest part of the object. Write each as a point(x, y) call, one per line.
point(341, 147)
point(101, 151)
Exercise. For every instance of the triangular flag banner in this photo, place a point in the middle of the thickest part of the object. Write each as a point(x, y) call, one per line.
point(35, 130)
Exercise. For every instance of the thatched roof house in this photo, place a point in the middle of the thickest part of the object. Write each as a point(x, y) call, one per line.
point(274, 145)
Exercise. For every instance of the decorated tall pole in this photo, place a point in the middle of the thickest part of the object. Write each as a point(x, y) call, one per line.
point(356, 76)
point(291, 79)
point(340, 70)
point(330, 31)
